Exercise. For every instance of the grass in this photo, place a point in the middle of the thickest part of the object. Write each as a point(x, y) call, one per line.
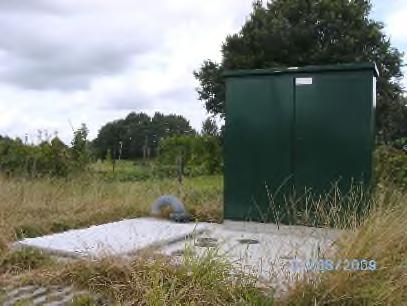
point(17, 261)
point(124, 170)
point(31, 208)
point(83, 300)
point(157, 280)
point(4, 239)
point(334, 208)
point(381, 237)
point(35, 207)
point(207, 280)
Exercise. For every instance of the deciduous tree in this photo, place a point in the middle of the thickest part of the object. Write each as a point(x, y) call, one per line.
point(286, 33)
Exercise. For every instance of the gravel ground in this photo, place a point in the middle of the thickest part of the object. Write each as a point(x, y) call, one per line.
point(50, 296)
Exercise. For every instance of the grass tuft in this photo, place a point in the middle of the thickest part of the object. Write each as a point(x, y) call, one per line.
point(21, 260)
point(157, 280)
point(381, 237)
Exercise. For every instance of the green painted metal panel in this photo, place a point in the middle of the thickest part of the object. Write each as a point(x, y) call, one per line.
point(333, 130)
point(287, 130)
point(257, 144)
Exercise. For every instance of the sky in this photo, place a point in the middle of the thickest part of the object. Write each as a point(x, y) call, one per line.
point(64, 62)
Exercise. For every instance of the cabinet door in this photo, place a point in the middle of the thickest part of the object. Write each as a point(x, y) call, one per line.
point(257, 149)
point(332, 141)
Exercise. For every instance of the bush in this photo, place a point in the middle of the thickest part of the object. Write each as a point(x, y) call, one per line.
point(52, 158)
point(391, 165)
point(49, 158)
point(201, 155)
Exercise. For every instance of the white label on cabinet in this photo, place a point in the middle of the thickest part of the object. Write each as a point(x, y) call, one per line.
point(303, 81)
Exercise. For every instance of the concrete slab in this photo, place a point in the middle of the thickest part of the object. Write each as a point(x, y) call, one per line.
point(112, 239)
point(264, 250)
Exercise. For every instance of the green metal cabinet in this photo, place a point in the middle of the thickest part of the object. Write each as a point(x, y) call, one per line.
point(295, 129)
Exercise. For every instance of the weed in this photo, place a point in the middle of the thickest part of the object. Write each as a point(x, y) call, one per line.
point(21, 260)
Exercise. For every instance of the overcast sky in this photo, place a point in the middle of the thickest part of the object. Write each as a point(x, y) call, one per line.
point(95, 61)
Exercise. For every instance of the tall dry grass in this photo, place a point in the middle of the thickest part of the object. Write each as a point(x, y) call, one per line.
point(37, 207)
point(4, 240)
point(44, 206)
point(382, 237)
point(157, 280)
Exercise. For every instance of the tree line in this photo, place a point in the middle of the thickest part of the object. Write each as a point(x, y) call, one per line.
point(138, 135)
point(181, 149)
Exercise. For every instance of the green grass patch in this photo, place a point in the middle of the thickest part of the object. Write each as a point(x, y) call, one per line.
point(22, 260)
point(156, 280)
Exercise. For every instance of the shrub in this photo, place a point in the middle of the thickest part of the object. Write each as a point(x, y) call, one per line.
point(52, 158)
point(45, 159)
point(391, 165)
point(201, 155)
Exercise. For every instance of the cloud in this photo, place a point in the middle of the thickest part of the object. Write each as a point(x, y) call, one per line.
point(394, 16)
point(396, 24)
point(95, 61)
point(66, 44)
point(29, 6)
point(67, 52)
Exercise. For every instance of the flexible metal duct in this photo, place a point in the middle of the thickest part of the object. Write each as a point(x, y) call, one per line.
point(178, 214)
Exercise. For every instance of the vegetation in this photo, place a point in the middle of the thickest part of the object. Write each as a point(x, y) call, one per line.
point(49, 158)
point(391, 165)
point(35, 207)
point(45, 189)
point(58, 201)
point(209, 127)
point(156, 280)
point(195, 155)
point(138, 135)
point(150, 279)
point(23, 260)
point(287, 33)
point(45, 205)
point(382, 238)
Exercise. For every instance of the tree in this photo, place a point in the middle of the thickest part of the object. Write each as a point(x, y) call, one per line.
point(396, 126)
point(209, 127)
point(287, 33)
point(135, 130)
point(163, 126)
point(138, 133)
point(80, 146)
point(197, 154)
point(48, 158)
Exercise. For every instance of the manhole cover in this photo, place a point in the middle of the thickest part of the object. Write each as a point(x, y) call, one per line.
point(206, 242)
point(248, 241)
